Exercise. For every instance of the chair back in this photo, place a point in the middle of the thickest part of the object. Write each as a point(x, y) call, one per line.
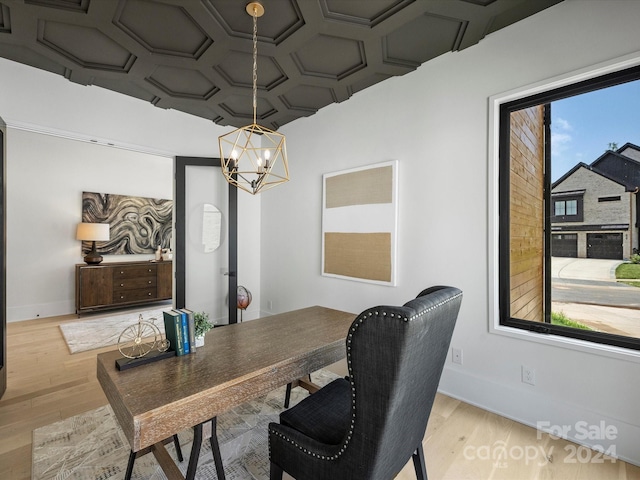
point(395, 357)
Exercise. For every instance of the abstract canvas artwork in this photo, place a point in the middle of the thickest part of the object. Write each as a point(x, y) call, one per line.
point(136, 224)
point(359, 224)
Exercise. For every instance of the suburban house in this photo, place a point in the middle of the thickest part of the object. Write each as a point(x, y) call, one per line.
point(595, 207)
point(63, 136)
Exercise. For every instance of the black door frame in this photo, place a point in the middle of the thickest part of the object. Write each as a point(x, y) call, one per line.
point(181, 164)
point(3, 273)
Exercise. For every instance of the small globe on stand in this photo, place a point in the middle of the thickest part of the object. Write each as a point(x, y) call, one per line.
point(244, 299)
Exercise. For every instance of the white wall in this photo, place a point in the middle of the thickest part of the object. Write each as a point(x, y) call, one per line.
point(46, 177)
point(57, 142)
point(435, 123)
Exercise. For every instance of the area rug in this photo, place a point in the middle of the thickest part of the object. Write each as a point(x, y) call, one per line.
point(92, 446)
point(101, 332)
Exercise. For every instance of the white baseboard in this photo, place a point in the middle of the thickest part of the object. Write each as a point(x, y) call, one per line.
point(41, 310)
point(542, 412)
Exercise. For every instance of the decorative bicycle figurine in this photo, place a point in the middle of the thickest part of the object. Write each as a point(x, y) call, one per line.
point(137, 340)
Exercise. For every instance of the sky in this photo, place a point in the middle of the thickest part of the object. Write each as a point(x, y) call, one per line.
point(583, 126)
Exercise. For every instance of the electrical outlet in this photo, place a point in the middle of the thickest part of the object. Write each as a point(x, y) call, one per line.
point(528, 375)
point(270, 305)
point(456, 355)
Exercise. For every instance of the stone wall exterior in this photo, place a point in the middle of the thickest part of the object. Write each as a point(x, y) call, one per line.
point(599, 214)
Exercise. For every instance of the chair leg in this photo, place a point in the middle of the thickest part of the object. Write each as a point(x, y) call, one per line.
point(132, 460)
point(287, 396)
point(275, 472)
point(176, 443)
point(418, 463)
point(215, 449)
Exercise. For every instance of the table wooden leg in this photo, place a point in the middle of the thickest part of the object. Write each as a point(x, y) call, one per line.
point(308, 385)
point(162, 456)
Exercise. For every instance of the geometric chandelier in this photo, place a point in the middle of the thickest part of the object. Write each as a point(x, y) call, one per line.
point(254, 158)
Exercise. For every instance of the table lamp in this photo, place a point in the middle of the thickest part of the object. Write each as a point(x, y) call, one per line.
point(93, 232)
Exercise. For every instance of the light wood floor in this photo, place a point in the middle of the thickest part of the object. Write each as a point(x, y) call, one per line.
point(47, 384)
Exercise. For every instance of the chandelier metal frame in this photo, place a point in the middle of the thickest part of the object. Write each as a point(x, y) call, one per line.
point(254, 158)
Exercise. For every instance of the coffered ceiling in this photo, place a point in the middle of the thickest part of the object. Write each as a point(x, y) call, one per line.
point(195, 55)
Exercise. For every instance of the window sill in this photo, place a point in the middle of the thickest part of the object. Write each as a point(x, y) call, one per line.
point(559, 341)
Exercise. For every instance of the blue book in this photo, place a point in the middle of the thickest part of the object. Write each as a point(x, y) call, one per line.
point(192, 329)
point(185, 332)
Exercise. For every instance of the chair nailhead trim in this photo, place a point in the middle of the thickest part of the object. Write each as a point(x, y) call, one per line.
point(354, 327)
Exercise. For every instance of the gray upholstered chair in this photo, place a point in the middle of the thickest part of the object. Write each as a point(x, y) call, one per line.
point(369, 425)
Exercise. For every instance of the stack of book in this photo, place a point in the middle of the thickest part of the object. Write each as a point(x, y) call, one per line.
point(180, 330)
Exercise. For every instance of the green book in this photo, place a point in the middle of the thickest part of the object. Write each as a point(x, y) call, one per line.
point(173, 330)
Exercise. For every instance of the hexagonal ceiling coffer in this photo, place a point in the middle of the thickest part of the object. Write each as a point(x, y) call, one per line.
point(183, 83)
point(362, 13)
point(237, 69)
point(483, 3)
point(241, 107)
point(5, 19)
point(172, 31)
point(280, 20)
point(308, 98)
point(311, 59)
point(422, 39)
point(74, 5)
point(85, 46)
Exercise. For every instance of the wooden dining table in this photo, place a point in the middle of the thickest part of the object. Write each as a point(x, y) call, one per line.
point(238, 362)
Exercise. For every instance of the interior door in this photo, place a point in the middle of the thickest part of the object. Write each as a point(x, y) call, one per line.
point(206, 239)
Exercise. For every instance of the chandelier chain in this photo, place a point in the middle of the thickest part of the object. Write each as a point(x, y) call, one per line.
point(255, 63)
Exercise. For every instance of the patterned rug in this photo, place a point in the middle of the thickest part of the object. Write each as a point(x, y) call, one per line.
point(92, 445)
point(100, 332)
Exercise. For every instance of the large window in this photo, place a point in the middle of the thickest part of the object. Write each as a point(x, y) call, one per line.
point(559, 209)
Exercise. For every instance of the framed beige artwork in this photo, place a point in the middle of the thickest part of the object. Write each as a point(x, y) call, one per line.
point(359, 223)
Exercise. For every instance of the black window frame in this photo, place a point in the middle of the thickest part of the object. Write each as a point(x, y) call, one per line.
point(504, 281)
point(612, 198)
point(567, 218)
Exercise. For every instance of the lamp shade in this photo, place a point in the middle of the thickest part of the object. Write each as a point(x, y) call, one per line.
point(93, 232)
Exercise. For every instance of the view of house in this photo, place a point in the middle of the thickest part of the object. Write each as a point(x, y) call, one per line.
point(595, 207)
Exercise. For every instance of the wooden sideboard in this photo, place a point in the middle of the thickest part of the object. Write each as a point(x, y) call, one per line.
point(122, 284)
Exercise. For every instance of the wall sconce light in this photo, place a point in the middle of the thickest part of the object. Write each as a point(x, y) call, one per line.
point(93, 232)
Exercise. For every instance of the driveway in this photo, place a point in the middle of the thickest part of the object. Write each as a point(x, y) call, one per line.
point(595, 274)
point(584, 268)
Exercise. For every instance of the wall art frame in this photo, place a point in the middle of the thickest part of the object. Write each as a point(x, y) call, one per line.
point(360, 223)
point(137, 225)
